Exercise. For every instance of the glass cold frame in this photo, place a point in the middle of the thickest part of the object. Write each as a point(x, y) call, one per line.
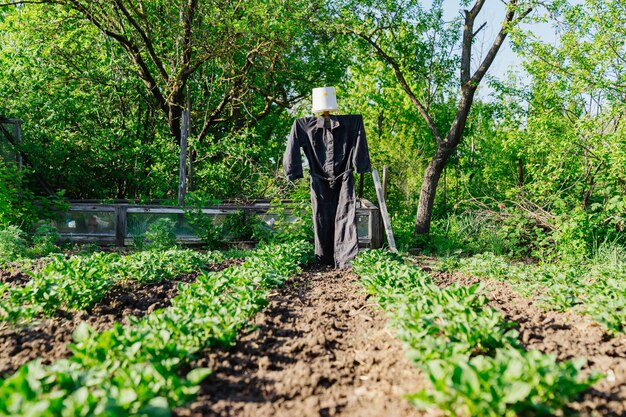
point(101, 223)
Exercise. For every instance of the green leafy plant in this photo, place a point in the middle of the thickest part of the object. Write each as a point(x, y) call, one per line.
point(203, 224)
point(13, 244)
point(77, 282)
point(469, 354)
point(62, 284)
point(138, 369)
point(44, 240)
point(160, 235)
point(152, 266)
point(595, 288)
point(240, 225)
point(511, 383)
point(290, 222)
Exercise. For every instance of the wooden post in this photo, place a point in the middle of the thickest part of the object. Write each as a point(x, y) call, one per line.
point(385, 181)
point(120, 225)
point(182, 168)
point(383, 211)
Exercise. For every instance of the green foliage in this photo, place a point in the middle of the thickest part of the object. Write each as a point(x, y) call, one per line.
point(203, 225)
point(473, 361)
point(44, 241)
point(153, 266)
point(160, 235)
point(597, 289)
point(550, 141)
point(291, 222)
point(78, 282)
point(507, 233)
point(241, 225)
point(63, 284)
point(509, 384)
point(81, 111)
point(86, 109)
point(435, 323)
point(137, 369)
point(18, 204)
point(13, 244)
point(9, 193)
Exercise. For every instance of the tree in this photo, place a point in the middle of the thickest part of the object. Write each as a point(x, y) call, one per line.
point(88, 124)
point(229, 47)
point(106, 82)
point(419, 45)
point(573, 115)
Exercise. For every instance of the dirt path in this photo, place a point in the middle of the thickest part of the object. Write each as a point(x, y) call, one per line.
point(567, 335)
point(320, 348)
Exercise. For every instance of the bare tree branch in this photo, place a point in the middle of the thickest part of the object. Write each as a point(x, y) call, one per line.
point(497, 43)
point(19, 3)
point(468, 38)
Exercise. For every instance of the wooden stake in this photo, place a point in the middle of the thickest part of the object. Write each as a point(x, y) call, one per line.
point(182, 168)
point(385, 181)
point(383, 211)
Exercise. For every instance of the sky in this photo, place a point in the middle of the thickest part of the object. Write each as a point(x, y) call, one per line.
point(493, 13)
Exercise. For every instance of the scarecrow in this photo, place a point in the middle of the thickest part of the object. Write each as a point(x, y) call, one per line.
point(335, 147)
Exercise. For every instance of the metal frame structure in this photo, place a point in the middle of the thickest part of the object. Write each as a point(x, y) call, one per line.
point(111, 223)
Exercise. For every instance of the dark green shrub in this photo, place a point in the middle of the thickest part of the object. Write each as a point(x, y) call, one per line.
point(12, 244)
point(240, 225)
point(44, 240)
point(160, 235)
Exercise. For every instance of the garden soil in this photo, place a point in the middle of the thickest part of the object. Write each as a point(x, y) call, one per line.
point(48, 338)
point(12, 273)
point(567, 335)
point(320, 348)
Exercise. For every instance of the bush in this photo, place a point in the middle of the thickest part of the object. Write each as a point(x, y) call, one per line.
point(292, 222)
point(12, 244)
point(241, 225)
point(160, 235)
point(202, 224)
point(9, 194)
point(44, 240)
point(19, 205)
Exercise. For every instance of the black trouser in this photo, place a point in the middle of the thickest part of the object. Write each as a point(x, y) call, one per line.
point(334, 219)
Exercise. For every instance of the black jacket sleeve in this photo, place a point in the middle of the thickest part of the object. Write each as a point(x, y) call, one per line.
point(292, 160)
point(361, 154)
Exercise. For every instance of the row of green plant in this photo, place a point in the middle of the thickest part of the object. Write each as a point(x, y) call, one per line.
point(466, 350)
point(143, 369)
point(15, 244)
point(78, 282)
point(596, 288)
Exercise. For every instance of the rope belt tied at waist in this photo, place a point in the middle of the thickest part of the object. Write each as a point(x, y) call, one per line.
point(333, 180)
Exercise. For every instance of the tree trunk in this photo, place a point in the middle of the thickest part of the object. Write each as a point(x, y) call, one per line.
point(429, 190)
point(438, 163)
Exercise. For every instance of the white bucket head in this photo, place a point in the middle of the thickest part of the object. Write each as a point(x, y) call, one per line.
point(324, 99)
